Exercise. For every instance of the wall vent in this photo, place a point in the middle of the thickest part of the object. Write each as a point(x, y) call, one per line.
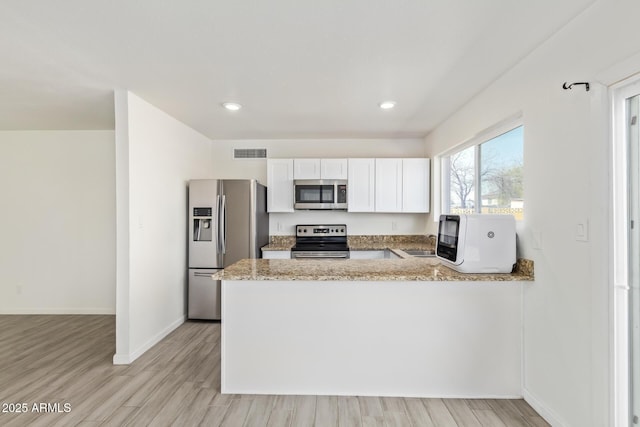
point(250, 153)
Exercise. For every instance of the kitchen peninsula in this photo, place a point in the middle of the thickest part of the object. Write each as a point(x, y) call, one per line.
point(391, 327)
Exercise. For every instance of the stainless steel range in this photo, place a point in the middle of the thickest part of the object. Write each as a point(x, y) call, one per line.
point(321, 242)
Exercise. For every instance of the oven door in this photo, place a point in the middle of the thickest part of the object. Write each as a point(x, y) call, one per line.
point(310, 195)
point(320, 254)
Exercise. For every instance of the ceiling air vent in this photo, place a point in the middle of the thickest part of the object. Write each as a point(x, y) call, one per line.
point(250, 153)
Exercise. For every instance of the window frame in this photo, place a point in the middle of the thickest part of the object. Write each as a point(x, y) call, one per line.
point(442, 169)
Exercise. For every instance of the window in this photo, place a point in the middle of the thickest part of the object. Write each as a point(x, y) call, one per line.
point(485, 175)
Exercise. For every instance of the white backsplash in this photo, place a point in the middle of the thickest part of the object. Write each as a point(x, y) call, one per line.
point(357, 223)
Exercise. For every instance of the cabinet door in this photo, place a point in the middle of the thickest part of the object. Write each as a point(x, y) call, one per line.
point(276, 254)
point(415, 185)
point(361, 185)
point(333, 169)
point(366, 255)
point(388, 185)
point(306, 169)
point(280, 185)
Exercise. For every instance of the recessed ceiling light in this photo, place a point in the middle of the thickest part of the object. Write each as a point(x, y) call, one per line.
point(387, 105)
point(232, 106)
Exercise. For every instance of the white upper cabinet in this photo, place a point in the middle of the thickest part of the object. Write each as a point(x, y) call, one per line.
point(415, 185)
point(306, 169)
point(402, 185)
point(388, 185)
point(374, 185)
point(361, 185)
point(333, 169)
point(320, 169)
point(280, 185)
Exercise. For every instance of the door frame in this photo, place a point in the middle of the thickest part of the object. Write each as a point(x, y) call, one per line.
point(619, 252)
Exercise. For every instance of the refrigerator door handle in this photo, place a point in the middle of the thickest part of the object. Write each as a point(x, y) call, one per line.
point(224, 224)
point(218, 211)
point(203, 274)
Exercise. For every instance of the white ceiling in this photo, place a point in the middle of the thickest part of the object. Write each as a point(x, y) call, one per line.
point(300, 68)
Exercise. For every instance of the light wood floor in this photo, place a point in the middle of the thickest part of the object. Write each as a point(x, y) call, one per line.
point(67, 360)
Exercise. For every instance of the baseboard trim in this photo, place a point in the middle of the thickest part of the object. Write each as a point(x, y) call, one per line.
point(126, 359)
point(46, 311)
point(121, 359)
point(546, 413)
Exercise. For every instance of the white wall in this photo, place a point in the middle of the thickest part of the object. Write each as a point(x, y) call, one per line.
point(389, 338)
point(357, 223)
point(566, 343)
point(156, 156)
point(57, 228)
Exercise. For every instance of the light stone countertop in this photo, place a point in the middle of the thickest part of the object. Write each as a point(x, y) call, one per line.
point(407, 269)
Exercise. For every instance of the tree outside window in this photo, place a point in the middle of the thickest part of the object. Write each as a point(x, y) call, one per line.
point(487, 177)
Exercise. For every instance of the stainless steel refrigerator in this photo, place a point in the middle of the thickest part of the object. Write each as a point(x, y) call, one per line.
point(228, 221)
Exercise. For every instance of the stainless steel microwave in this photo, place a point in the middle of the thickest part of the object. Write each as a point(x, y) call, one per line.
point(320, 194)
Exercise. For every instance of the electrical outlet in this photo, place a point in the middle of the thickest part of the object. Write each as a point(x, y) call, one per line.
point(19, 289)
point(394, 226)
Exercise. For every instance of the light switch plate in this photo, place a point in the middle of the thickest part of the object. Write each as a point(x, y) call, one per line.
point(582, 230)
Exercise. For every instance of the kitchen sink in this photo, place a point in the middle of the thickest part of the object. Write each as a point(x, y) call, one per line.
point(420, 253)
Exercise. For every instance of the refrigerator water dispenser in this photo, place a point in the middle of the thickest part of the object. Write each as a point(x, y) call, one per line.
point(202, 224)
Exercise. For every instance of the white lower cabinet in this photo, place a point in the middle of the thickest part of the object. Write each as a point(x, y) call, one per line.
point(276, 254)
point(367, 254)
point(376, 254)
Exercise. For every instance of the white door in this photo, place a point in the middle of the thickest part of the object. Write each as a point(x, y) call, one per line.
point(634, 253)
point(333, 168)
point(415, 185)
point(306, 169)
point(388, 185)
point(280, 185)
point(361, 185)
point(626, 254)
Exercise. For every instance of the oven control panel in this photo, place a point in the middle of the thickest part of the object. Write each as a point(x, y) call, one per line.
point(321, 230)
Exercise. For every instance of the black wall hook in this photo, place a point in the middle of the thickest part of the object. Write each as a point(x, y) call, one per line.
point(566, 86)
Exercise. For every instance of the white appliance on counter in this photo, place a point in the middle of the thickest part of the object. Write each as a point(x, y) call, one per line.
point(478, 243)
point(228, 221)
